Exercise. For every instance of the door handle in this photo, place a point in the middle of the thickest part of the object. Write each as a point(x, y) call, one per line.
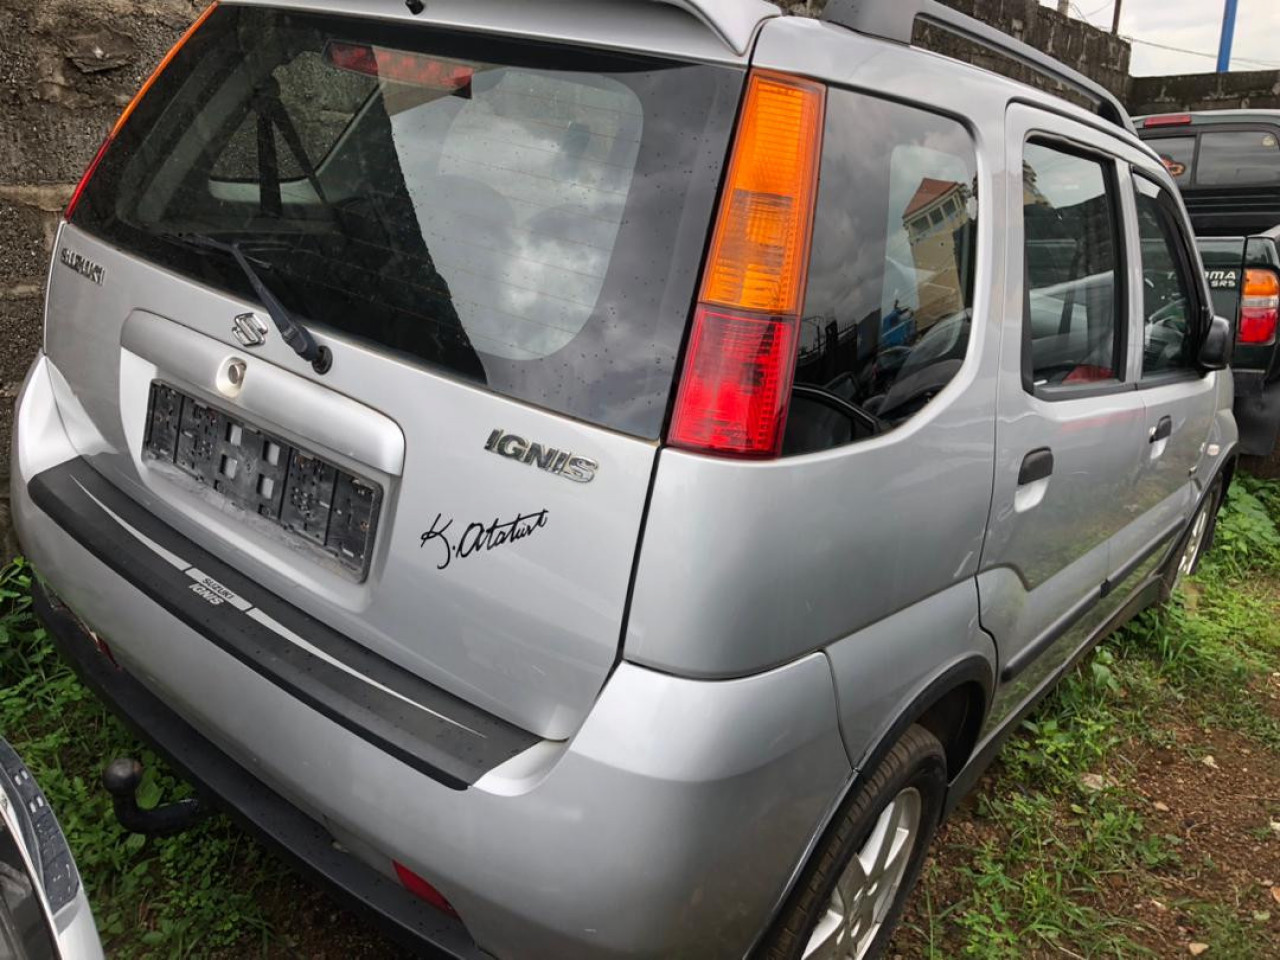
point(1036, 465)
point(1162, 430)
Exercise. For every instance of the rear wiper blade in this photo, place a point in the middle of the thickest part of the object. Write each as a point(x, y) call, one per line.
point(294, 332)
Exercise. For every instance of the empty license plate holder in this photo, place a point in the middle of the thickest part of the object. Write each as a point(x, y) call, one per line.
point(313, 500)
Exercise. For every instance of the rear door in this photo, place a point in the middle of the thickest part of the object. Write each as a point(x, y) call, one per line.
point(1180, 399)
point(1070, 417)
point(498, 240)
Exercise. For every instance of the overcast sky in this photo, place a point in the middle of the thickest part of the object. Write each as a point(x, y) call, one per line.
point(1190, 25)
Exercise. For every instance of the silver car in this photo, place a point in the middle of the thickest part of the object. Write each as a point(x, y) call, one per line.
point(601, 477)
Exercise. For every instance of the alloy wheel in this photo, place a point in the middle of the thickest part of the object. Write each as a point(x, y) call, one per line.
point(866, 891)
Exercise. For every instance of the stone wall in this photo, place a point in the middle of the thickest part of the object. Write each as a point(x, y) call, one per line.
point(1093, 52)
point(67, 67)
point(1259, 89)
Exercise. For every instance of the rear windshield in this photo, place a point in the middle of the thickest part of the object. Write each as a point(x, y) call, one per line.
point(524, 216)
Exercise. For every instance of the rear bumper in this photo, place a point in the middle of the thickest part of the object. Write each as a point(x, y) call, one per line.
point(263, 811)
point(1257, 412)
point(668, 826)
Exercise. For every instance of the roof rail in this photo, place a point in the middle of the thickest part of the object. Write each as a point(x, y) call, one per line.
point(734, 21)
point(895, 20)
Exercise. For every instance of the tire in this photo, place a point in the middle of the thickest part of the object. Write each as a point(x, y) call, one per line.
point(1196, 541)
point(916, 763)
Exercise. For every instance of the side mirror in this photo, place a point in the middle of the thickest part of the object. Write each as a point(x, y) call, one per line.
point(1217, 346)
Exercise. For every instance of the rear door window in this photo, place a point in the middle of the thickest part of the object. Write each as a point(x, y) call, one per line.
point(525, 216)
point(1177, 154)
point(1071, 255)
point(1238, 158)
point(888, 310)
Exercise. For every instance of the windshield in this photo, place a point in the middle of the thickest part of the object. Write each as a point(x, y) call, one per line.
point(527, 217)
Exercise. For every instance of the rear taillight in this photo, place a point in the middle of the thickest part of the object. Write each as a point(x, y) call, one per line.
point(738, 369)
point(128, 111)
point(1259, 307)
point(88, 175)
point(421, 889)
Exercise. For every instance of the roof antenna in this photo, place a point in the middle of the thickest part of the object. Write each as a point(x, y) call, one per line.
point(415, 6)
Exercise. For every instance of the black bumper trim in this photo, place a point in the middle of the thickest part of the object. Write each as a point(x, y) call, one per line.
point(425, 727)
point(250, 802)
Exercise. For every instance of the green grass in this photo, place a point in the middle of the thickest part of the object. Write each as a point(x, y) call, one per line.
point(1035, 881)
point(185, 896)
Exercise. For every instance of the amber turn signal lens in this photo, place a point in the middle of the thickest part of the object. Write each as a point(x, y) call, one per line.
point(1259, 307)
point(155, 74)
point(760, 251)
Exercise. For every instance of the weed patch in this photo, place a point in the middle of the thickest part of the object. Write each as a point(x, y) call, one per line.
point(185, 896)
point(1108, 828)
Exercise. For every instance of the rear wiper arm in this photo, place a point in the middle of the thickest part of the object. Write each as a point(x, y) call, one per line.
point(294, 332)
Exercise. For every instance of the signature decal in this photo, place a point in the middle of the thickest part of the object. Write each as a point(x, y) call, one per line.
point(82, 265)
point(478, 537)
point(562, 463)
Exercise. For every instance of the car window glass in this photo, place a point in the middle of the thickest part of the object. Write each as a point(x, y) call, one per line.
point(527, 217)
point(887, 313)
point(1176, 153)
point(319, 103)
point(1236, 157)
point(1071, 255)
point(1168, 311)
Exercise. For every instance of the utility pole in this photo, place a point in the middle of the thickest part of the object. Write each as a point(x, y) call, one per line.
point(1228, 34)
point(1115, 19)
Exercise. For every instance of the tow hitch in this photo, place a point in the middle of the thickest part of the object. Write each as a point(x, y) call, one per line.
point(121, 778)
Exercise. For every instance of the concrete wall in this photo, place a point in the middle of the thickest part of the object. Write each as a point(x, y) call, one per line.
point(67, 67)
point(1259, 89)
point(1093, 52)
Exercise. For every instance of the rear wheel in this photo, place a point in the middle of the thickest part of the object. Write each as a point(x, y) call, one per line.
point(850, 897)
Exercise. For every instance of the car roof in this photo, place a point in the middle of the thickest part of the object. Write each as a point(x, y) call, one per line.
point(707, 30)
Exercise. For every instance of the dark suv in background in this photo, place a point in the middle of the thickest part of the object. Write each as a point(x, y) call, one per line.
point(1227, 165)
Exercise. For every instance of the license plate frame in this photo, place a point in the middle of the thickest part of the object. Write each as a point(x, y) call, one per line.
point(315, 502)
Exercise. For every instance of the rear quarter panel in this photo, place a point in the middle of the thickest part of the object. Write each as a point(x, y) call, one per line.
point(746, 565)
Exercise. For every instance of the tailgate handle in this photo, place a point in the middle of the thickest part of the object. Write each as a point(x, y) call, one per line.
point(1037, 465)
point(1162, 430)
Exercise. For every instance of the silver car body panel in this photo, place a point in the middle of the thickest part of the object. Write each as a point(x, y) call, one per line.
point(529, 633)
point(772, 560)
point(878, 675)
point(72, 926)
point(650, 800)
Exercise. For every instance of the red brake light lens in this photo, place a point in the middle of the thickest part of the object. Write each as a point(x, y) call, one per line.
point(423, 890)
point(399, 66)
point(736, 386)
point(1168, 120)
point(84, 181)
point(1259, 307)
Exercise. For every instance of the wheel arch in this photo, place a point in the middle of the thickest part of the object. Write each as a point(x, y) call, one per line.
point(952, 705)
